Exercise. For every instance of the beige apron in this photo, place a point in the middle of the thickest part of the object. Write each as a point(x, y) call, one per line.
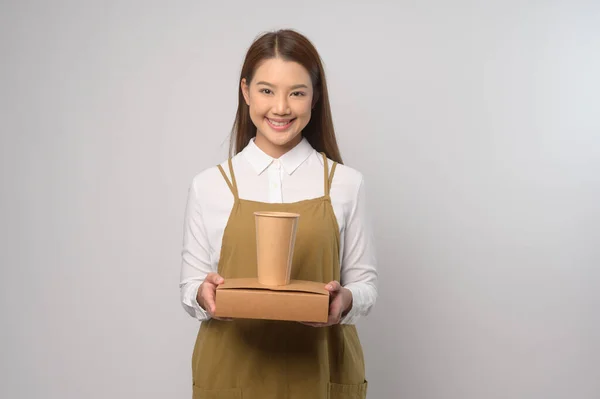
point(263, 359)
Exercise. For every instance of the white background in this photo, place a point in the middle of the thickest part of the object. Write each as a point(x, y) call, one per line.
point(476, 125)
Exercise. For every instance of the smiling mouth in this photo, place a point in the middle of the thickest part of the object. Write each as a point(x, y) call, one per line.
point(280, 124)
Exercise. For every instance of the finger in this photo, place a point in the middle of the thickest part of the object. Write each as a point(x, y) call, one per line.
point(222, 318)
point(214, 278)
point(333, 286)
point(333, 319)
point(209, 300)
point(335, 310)
point(310, 324)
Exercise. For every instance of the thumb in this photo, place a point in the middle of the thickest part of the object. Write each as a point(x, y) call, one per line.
point(333, 286)
point(215, 279)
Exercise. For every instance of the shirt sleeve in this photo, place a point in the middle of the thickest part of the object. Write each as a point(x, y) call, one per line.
point(358, 268)
point(195, 256)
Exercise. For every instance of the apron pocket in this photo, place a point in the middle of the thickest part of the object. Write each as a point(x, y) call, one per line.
point(347, 391)
point(231, 393)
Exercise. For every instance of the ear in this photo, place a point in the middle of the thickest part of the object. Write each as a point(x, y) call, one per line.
point(245, 91)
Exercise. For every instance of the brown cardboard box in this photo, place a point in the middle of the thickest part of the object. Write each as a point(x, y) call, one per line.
point(246, 298)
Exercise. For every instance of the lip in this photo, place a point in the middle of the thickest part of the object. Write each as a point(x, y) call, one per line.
point(280, 128)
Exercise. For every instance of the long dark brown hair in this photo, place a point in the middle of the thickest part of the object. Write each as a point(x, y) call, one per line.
point(288, 45)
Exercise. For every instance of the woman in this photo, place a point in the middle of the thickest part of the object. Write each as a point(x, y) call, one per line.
point(285, 158)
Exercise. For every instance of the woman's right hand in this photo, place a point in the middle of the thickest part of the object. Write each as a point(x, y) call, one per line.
point(207, 293)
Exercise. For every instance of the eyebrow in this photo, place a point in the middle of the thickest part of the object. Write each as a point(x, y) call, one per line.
point(299, 86)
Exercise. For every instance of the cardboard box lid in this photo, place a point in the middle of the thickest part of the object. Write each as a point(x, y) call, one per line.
point(312, 287)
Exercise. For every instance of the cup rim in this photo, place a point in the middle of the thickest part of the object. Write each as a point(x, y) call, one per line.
point(277, 214)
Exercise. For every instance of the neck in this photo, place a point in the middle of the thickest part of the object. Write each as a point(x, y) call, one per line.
point(274, 150)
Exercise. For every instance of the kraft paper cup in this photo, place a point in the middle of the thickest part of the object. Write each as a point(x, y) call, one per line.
point(275, 239)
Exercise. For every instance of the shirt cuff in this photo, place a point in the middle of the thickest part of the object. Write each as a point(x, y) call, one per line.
point(190, 303)
point(357, 305)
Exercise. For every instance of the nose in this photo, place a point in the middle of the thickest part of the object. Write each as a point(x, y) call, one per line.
point(281, 106)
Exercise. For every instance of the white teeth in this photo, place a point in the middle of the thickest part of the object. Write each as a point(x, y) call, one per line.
point(278, 123)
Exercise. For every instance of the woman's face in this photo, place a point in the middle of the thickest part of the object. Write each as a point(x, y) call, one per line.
point(280, 100)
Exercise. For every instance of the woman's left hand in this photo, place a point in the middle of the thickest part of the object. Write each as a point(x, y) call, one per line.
point(340, 303)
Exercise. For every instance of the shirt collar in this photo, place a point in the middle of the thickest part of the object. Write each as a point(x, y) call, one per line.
point(290, 161)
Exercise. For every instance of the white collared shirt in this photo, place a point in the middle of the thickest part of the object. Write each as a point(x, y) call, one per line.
point(295, 176)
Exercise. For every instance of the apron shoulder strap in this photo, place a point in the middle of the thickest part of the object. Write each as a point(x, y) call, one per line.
point(327, 177)
point(232, 184)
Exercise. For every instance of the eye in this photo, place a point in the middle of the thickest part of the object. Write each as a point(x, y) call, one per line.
point(298, 93)
point(266, 91)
